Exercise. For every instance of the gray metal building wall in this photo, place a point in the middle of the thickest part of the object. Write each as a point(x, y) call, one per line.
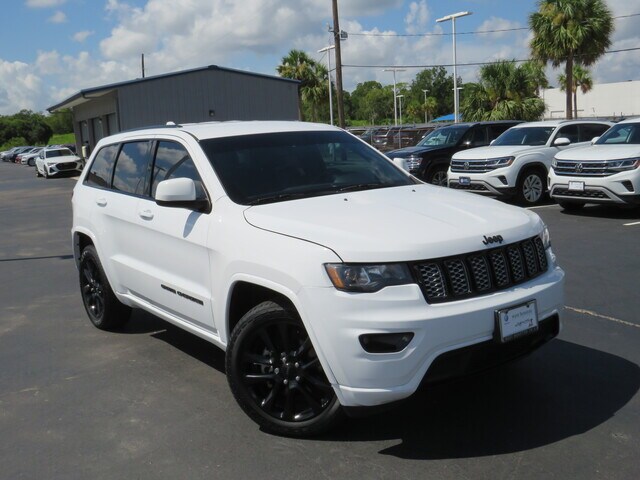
point(206, 95)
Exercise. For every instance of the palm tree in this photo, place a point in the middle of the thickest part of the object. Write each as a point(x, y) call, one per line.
point(505, 91)
point(581, 80)
point(570, 32)
point(300, 66)
point(429, 106)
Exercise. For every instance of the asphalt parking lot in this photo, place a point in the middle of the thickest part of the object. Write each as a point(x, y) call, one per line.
point(152, 401)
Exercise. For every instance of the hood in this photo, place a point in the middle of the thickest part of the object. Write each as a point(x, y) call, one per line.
point(600, 152)
point(408, 151)
point(482, 153)
point(396, 224)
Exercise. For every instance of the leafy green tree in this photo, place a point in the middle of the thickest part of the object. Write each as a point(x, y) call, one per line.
point(378, 104)
point(61, 122)
point(439, 85)
point(504, 92)
point(299, 66)
point(536, 75)
point(361, 109)
point(581, 80)
point(27, 124)
point(13, 142)
point(570, 32)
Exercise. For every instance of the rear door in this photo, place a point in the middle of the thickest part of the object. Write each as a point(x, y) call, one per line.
point(175, 273)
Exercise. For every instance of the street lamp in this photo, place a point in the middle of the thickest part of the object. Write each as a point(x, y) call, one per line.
point(453, 17)
point(395, 105)
point(425, 104)
point(326, 49)
point(400, 97)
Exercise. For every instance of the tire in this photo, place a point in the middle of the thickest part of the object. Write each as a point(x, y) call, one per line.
point(46, 174)
point(531, 187)
point(570, 206)
point(103, 307)
point(438, 176)
point(38, 174)
point(275, 375)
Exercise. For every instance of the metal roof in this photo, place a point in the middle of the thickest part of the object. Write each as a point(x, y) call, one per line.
point(89, 93)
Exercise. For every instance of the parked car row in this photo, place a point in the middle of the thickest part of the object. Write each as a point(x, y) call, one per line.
point(575, 161)
point(48, 161)
point(394, 137)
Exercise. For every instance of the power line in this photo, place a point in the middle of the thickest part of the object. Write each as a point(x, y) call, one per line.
point(471, 64)
point(476, 32)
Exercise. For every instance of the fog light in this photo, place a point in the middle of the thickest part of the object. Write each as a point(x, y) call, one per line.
point(385, 342)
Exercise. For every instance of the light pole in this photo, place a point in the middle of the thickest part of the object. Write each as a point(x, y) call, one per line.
point(327, 49)
point(453, 17)
point(400, 97)
point(395, 104)
point(425, 104)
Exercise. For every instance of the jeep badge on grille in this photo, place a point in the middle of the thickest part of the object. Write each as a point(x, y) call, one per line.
point(494, 239)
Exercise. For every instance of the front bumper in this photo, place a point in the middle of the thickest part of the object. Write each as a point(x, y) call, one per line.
point(364, 379)
point(63, 167)
point(498, 182)
point(622, 188)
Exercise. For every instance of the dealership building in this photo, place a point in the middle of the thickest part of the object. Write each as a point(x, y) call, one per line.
point(604, 100)
point(209, 93)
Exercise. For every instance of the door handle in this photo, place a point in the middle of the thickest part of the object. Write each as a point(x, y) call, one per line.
point(101, 202)
point(146, 214)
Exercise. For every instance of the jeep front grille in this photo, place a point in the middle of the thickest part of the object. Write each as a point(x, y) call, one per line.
point(477, 273)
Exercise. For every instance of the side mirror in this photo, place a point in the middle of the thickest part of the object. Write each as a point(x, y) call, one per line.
point(594, 140)
point(561, 142)
point(401, 162)
point(180, 193)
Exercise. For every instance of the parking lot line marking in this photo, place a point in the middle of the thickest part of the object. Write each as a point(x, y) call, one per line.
point(632, 223)
point(605, 317)
point(542, 206)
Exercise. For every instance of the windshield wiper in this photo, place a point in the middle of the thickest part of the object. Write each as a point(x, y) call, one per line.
point(361, 186)
point(278, 198)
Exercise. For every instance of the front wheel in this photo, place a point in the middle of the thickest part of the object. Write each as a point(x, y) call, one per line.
point(438, 177)
point(531, 187)
point(105, 311)
point(276, 376)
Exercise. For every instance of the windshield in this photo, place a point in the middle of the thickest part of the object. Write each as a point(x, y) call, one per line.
point(275, 167)
point(58, 153)
point(444, 137)
point(626, 133)
point(533, 136)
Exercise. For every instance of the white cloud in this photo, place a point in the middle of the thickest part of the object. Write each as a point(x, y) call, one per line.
point(58, 17)
point(49, 63)
point(417, 18)
point(497, 23)
point(19, 88)
point(44, 3)
point(82, 35)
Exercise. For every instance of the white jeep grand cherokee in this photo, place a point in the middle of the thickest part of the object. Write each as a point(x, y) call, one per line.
point(332, 278)
point(606, 172)
point(517, 162)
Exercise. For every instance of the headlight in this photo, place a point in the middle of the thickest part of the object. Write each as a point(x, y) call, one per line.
point(500, 162)
point(545, 237)
point(554, 162)
point(622, 165)
point(368, 278)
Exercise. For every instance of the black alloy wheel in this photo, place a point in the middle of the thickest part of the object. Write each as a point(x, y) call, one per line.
point(103, 307)
point(276, 376)
point(438, 177)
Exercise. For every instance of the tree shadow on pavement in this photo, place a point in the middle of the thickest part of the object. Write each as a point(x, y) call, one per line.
point(606, 211)
point(561, 390)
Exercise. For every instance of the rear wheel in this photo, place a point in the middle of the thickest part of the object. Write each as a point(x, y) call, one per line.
point(38, 174)
point(104, 309)
point(531, 187)
point(570, 206)
point(276, 376)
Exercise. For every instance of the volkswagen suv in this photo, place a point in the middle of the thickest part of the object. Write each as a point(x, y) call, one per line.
point(333, 279)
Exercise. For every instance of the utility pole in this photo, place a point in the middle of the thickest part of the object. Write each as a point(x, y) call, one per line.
point(336, 42)
point(143, 65)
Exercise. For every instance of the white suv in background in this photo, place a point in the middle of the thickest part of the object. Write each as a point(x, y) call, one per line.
point(332, 278)
point(54, 160)
point(516, 164)
point(606, 172)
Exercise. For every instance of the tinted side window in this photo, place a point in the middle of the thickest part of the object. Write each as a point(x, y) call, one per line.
point(102, 166)
point(570, 132)
point(173, 161)
point(477, 137)
point(132, 166)
point(496, 130)
point(590, 130)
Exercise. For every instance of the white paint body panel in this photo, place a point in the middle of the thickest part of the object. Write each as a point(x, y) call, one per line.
point(284, 246)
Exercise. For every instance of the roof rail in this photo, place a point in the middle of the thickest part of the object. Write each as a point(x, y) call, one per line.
point(151, 127)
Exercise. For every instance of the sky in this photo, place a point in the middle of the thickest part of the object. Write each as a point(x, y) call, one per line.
point(51, 49)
